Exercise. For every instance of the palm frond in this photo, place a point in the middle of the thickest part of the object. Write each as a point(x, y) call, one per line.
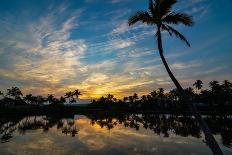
point(150, 6)
point(164, 28)
point(165, 6)
point(176, 18)
point(178, 34)
point(142, 16)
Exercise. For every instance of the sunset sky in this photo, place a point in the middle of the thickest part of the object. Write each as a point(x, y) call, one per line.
point(50, 47)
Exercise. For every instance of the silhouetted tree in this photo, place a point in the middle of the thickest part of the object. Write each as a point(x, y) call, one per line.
point(125, 99)
point(28, 99)
point(72, 96)
point(77, 93)
point(62, 100)
point(1, 93)
point(216, 91)
point(160, 16)
point(144, 98)
point(109, 97)
point(215, 86)
point(198, 84)
point(190, 93)
point(40, 100)
point(1, 97)
point(14, 92)
point(173, 95)
point(227, 91)
point(51, 99)
point(69, 96)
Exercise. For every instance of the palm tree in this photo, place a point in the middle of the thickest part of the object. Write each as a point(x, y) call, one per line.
point(40, 100)
point(62, 100)
point(77, 93)
point(73, 96)
point(160, 15)
point(135, 96)
point(110, 97)
point(28, 98)
point(16, 93)
point(1, 93)
point(215, 86)
point(216, 91)
point(125, 99)
point(198, 84)
point(144, 98)
point(227, 90)
point(69, 95)
point(131, 99)
point(50, 98)
point(1, 97)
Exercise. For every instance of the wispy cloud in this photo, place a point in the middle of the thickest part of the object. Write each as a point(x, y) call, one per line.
point(50, 55)
point(76, 47)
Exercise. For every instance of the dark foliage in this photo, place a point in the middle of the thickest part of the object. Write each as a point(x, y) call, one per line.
point(218, 96)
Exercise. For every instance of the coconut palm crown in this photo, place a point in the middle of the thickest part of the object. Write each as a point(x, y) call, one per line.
point(161, 16)
point(198, 84)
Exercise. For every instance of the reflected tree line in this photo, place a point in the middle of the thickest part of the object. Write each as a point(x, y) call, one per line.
point(23, 124)
point(181, 125)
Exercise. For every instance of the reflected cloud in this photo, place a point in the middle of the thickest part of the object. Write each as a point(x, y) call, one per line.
point(105, 133)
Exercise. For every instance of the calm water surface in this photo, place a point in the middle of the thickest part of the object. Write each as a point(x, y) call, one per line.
point(104, 134)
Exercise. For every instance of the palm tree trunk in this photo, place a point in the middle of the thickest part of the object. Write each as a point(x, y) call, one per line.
point(210, 140)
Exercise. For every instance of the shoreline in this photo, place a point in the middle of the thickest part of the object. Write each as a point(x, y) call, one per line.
point(72, 110)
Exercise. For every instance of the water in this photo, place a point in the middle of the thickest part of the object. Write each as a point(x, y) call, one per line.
point(111, 134)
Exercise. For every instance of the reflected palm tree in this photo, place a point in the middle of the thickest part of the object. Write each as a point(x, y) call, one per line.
point(159, 124)
point(69, 128)
point(163, 125)
point(160, 16)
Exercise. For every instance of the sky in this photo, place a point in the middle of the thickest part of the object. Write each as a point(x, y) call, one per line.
point(51, 47)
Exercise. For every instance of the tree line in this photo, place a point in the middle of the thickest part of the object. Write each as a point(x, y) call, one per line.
point(217, 95)
point(14, 96)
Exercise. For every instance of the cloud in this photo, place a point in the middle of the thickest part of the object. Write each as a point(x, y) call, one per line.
point(123, 43)
point(115, 1)
point(121, 28)
point(45, 51)
point(97, 78)
point(187, 65)
point(196, 8)
point(95, 52)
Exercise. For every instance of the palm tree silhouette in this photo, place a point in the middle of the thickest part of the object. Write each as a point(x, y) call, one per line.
point(1, 93)
point(28, 98)
point(215, 86)
point(77, 93)
point(73, 95)
point(198, 84)
point(160, 16)
point(14, 92)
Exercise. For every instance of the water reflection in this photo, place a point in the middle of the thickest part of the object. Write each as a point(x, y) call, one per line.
point(161, 125)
